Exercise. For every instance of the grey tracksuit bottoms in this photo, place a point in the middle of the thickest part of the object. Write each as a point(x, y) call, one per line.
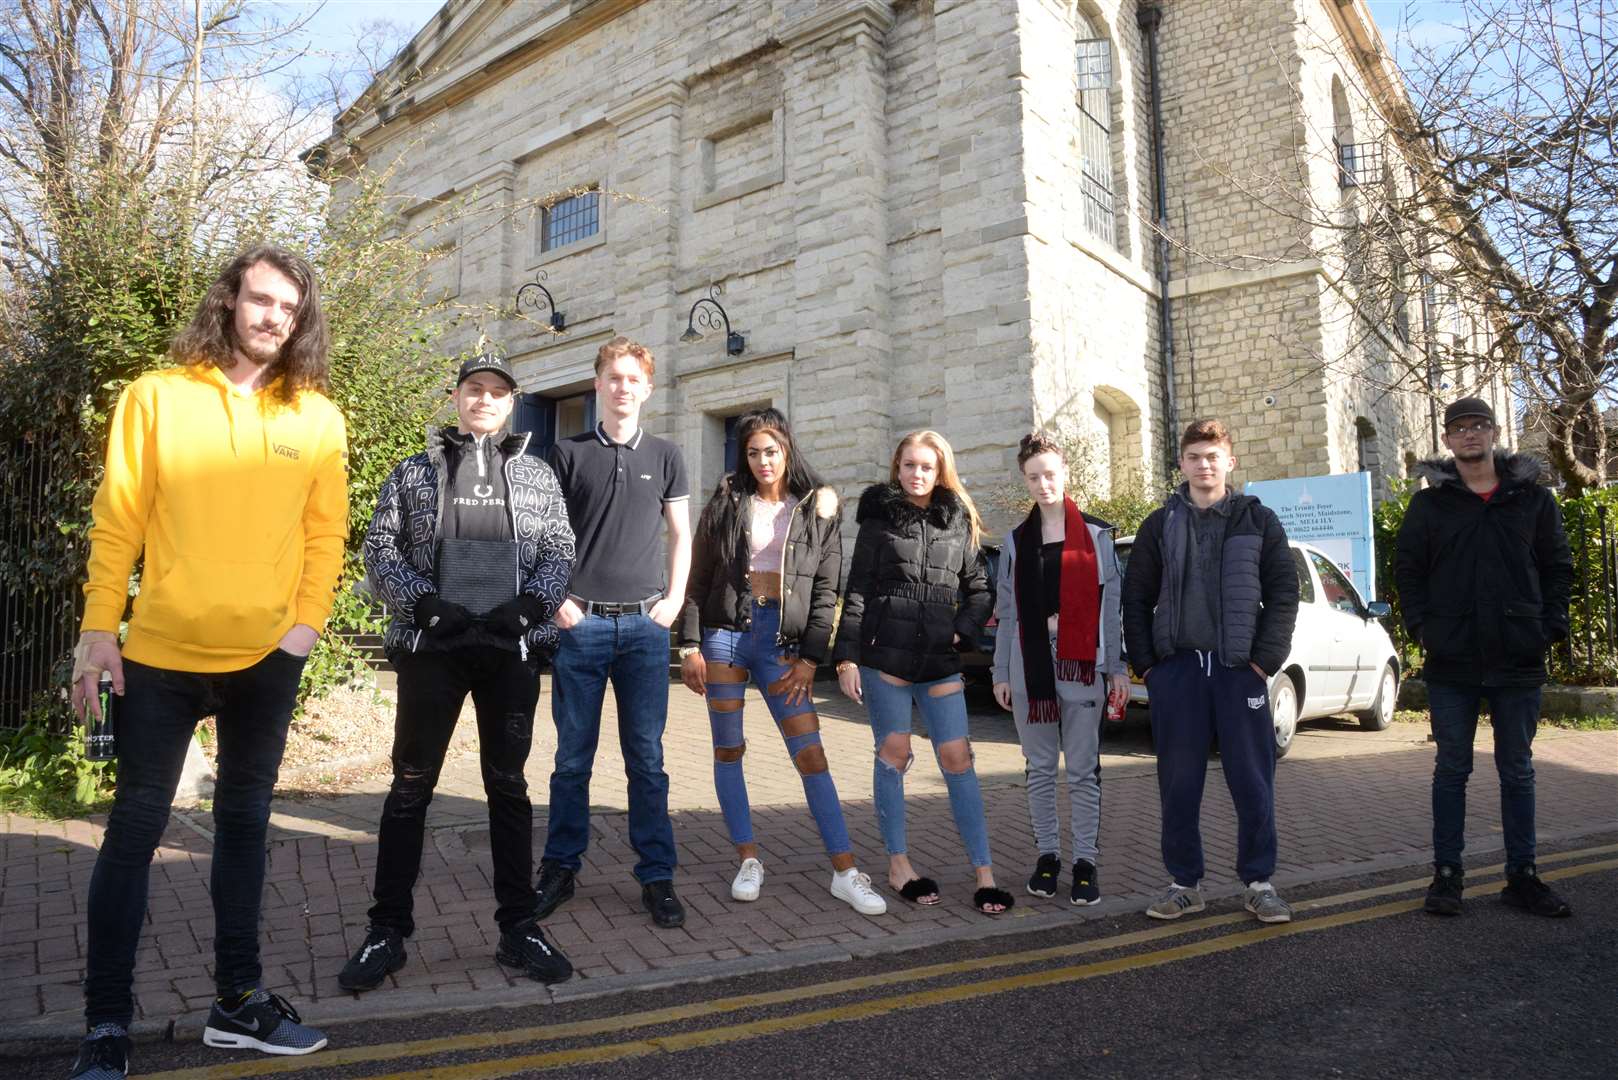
point(1078, 738)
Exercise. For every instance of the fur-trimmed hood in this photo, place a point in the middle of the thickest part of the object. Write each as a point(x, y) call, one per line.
point(888, 503)
point(824, 498)
point(1514, 470)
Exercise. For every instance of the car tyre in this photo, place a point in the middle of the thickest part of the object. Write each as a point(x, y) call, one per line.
point(1380, 714)
point(1284, 711)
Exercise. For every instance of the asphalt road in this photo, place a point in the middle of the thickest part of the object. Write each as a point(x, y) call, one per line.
point(1363, 984)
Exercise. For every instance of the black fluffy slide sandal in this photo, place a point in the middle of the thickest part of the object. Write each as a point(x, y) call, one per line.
point(990, 895)
point(917, 889)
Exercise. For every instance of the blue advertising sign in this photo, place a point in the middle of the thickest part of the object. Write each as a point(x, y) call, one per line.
point(1332, 513)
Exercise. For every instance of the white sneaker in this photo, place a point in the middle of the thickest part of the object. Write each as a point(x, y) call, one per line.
point(854, 889)
point(749, 880)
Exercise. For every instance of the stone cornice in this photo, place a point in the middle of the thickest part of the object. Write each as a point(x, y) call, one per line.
point(466, 76)
point(1220, 280)
point(499, 176)
point(664, 95)
point(876, 15)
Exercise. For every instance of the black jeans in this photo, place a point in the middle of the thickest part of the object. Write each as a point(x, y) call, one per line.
point(157, 714)
point(432, 688)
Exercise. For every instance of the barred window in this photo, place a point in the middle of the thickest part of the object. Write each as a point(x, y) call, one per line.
point(1094, 66)
point(571, 219)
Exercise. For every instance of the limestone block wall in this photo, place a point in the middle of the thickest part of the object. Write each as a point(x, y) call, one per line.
point(1251, 363)
point(1092, 307)
point(1232, 131)
point(918, 161)
point(889, 195)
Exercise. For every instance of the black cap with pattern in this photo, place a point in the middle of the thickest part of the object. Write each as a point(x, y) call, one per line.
point(486, 362)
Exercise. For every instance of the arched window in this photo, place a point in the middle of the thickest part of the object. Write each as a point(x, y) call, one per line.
point(1369, 453)
point(1094, 63)
point(1118, 420)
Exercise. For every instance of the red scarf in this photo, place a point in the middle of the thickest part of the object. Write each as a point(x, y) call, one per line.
point(1079, 623)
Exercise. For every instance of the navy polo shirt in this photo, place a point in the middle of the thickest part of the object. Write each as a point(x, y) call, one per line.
point(615, 496)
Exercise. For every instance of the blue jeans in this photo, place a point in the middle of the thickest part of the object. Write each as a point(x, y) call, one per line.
point(631, 652)
point(945, 720)
point(156, 716)
point(755, 652)
point(1514, 711)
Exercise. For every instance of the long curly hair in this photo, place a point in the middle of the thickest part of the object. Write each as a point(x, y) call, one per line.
point(211, 336)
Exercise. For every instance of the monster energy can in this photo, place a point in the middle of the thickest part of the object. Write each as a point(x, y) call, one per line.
point(101, 733)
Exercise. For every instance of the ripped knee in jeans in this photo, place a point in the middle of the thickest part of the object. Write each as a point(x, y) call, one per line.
point(895, 752)
point(955, 756)
point(512, 784)
point(811, 759)
point(412, 788)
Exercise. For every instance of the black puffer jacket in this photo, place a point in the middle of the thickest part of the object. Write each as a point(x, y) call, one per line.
point(718, 594)
point(915, 582)
point(1258, 586)
point(1484, 586)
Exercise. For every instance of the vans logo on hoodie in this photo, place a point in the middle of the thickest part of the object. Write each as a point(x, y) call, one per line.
point(290, 452)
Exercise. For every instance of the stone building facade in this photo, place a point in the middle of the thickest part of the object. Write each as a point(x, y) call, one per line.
point(922, 213)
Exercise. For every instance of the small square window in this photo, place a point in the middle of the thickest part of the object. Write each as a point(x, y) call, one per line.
point(572, 219)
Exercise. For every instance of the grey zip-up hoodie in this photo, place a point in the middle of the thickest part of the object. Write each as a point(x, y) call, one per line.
point(1007, 666)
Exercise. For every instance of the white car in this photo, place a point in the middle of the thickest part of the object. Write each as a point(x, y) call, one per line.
point(1342, 660)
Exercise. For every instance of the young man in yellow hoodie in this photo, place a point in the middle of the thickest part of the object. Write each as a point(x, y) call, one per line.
point(229, 474)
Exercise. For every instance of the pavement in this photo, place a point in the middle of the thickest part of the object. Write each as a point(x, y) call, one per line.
point(1349, 802)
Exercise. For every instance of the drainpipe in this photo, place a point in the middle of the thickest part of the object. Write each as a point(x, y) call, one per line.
point(1148, 17)
point(1434, 375)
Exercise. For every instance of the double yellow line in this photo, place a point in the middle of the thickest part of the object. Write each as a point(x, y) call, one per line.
point(860, 1010)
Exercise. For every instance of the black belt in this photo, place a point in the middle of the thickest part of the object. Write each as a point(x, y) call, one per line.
point(608, 607)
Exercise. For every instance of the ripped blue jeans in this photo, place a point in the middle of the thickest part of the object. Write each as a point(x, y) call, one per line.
point(754, 652)
point(945, 719)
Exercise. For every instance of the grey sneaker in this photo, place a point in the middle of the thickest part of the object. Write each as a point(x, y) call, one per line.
point(1266, 904)
point(1177, 901)
point(258, 1020)
point(104, 1054)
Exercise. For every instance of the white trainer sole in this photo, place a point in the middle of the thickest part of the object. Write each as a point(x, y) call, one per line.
point(875, 905)
point(1271, 919)
point(747, 891)
point(1175, 914)
point(230, 1040)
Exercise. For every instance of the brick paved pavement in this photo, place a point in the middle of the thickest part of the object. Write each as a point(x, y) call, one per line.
point(1349, 801)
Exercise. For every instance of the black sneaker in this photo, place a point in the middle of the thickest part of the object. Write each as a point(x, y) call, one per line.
point(104, 1054)
point(553, 889)
point(382, 954)
point(259, 1020)
point(1043, 880)
point(1444, 894)
point(1085, 888)
point(524, 946)
point(1525, 890)
point(658, 898)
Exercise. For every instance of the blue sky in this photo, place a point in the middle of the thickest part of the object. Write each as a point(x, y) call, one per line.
point(333, 28)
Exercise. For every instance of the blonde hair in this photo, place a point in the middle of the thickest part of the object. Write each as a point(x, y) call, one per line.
point(948, 477)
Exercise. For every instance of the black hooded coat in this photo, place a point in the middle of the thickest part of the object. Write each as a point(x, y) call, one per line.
point(915, 581)
point(1484, 585)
